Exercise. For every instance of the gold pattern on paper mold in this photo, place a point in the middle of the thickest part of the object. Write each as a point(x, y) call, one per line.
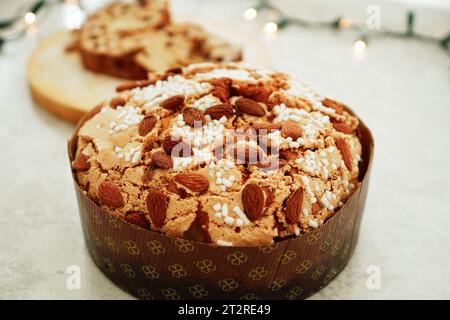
point(337, 246)
point(268, 248)
point(304, 266)
point(326, 244)
point(198, 291)
point(205, 266)
point(144, 294)
point(228, 284)
point(97, 219)
point(346, 249)
point(109, 265)
point(155, 247)
point(171, 294)
point(313, 237)
point(237, 258)
point(184, 245)
point(150, 272)
point(111, 244)
point(131, 247)
point(113, 221)
point(258, 273)
point(294, 293)
point(177, 270)
point(287, 257)
point(318, 272)
point(330, 275)
point(249, 296)
point(127, 270)
point(277, 284)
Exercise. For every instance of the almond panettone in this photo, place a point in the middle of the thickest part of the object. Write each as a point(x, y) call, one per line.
point(224, 153)
point(128, 40)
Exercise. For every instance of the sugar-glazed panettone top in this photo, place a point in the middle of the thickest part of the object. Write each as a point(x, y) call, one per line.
point(228, 154)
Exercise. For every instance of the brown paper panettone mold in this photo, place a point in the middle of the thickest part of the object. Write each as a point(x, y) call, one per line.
point(150, 265)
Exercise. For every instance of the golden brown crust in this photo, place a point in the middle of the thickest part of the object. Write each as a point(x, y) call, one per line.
point(278, 173)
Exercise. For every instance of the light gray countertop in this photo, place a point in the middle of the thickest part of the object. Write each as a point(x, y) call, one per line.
point(401, 90)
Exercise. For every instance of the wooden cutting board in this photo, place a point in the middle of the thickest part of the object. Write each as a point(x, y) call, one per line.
point(59, 83)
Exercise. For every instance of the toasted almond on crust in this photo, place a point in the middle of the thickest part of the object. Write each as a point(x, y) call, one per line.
point(329, 103)
point(138, 219)
point(220, 110)
point(176, 147)
point(253, 201)
point(342, 127)
point(249, 106)
point(294, 206)
point(192, 116)
point(117, 101)
point(109, 193)
point(147, 124)
point(291, 129)
point(81, 162)
point(193, 181)
point(345, 152)
point(156, 207)
point(162, 160)
point(173, 103)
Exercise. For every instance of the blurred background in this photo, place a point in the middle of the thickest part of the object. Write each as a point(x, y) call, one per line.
point(387, 59)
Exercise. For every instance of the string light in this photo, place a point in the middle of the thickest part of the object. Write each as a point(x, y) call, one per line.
point(250, 14)
point(270, 27)
point(344, 23)
point(359, 46)
point(29, 18)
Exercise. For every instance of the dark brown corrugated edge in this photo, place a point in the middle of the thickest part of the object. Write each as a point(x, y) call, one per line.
point(150, 265)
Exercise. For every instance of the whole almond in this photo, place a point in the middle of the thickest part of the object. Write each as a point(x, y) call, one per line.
point(345, 152)
point(109, 193)
point(156, 207)
point(138, 219)
point(253, 201)
point(288, 154)
point(294, 206)
point(221, 88)
point(162, 160)
point(176, 147)
point(81, 162)
point(192, 116)
point(338, 107)
point(117, 101)
point(219, 111)
point(291, 129)
point(257, 92)
point(261, 128)
point(147, 124)
point(342, 127)
point(173, 103)
point(193, 181)
point(250, 107)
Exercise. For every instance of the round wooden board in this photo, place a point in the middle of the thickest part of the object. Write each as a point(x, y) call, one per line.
point(59, 83)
